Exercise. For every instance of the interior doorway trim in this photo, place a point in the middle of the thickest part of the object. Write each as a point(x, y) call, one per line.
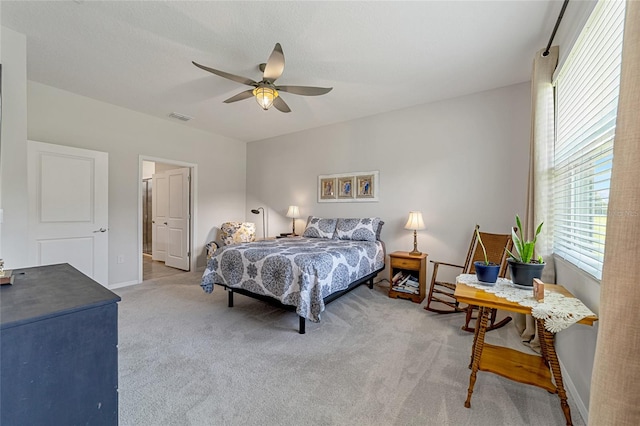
point(193, 207)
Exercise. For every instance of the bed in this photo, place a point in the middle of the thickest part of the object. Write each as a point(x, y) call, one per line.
point(303, 273)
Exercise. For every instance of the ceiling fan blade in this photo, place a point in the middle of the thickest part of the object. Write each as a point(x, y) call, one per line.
point(304, 90)
point(236, 78)
point(281, 105)
point(275, 65)
point(240, 96)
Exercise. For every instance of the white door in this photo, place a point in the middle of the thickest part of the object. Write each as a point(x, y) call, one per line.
point(68, 208)
point(159, 216)
point(178, 219)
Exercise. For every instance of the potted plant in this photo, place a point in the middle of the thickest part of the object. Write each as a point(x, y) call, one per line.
point(486, 272)
point(522, 265)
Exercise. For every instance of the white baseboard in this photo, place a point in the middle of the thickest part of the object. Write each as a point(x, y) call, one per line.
point(123, 284)
point(571, 388)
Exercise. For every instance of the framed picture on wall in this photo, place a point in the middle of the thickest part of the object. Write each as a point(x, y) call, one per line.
point(365, 186)
point(328, 188)
point(345, 187)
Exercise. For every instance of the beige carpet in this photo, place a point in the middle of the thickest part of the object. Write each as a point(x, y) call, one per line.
point(185, 358)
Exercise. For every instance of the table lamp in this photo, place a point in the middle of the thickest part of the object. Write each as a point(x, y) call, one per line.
point(293, 213)
point(415, 222)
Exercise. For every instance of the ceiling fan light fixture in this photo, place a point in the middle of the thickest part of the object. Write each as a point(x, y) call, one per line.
point(265, 96)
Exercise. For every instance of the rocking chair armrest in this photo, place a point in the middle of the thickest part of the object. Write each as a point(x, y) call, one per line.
point(435, 262)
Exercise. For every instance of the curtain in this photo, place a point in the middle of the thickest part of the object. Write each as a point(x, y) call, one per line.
point(540, 169)
point(616, 370)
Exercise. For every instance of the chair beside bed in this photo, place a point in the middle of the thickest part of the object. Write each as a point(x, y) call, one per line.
point(232, 233)
point(331, 258)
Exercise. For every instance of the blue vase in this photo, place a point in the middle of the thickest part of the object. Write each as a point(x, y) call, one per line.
point(487, 273)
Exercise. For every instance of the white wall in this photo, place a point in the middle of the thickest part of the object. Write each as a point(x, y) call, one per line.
point(461, 161)
point(61, 117)
point(576, 345)
point(13, 148)
point(1, 211)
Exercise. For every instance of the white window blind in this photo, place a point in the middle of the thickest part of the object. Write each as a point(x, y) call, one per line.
point(587, 89)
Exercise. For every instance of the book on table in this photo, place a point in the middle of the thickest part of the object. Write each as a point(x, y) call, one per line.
point(404, 282)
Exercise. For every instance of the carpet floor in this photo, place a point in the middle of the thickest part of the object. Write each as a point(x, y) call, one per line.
point(185, 358)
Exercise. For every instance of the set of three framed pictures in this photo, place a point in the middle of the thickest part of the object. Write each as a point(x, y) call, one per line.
point(348, 187)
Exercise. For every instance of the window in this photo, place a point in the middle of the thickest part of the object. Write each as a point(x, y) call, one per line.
point(587, 89)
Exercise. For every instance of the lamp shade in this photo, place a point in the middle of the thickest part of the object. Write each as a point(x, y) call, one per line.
point(265, 96)
point(415, 221)
point(293, 212)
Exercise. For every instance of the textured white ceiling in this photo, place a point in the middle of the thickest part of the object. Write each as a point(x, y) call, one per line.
point(377, 56)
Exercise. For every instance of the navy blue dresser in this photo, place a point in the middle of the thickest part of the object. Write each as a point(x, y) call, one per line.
point(58, 349)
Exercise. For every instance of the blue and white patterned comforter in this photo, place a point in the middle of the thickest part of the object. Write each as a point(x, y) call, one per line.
point(296, 271)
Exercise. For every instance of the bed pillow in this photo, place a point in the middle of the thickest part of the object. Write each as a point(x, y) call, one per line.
point(237, 232)
point(320, 228)
point(363, 229)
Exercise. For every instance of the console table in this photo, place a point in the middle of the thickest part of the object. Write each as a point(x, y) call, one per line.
point(542, 371)
point(59, 336)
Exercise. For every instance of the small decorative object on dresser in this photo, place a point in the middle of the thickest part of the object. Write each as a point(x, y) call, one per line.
point(6, 276)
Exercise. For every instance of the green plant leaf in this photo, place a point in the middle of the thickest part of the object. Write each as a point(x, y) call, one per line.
point(527, 252)
point(535, 238)
point(517, 245)
point(484, 251)
point(525, 249)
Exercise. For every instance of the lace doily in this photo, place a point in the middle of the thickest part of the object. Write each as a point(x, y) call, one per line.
point(557, 310)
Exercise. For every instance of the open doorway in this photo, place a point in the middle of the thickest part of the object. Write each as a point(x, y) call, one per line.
point(165, 217)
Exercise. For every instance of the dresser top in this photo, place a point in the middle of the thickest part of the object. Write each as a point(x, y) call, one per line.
point(47, 291)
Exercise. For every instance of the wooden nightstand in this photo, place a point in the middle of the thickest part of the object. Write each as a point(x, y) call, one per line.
point(407, 265)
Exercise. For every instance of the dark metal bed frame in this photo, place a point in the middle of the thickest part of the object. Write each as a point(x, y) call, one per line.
point(330, 298)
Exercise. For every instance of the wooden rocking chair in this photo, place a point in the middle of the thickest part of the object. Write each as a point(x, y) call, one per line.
point(442, 291)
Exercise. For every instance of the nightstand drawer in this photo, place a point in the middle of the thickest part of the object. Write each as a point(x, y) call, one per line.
point(398, 262)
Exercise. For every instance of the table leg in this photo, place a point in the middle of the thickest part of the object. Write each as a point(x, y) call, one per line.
point(478, 344)
point(549, 353)
point(544, 350)
point(475, 334)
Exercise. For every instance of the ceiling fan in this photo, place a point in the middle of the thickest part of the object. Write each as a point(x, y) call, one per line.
point(265, 91)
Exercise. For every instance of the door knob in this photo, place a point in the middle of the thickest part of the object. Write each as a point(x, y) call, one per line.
point(100, 230)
